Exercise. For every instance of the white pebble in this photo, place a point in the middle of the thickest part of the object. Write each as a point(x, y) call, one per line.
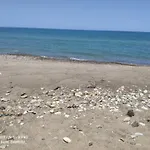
point(67, 140)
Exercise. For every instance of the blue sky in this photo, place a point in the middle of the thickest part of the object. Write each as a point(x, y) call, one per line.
point(126, 15)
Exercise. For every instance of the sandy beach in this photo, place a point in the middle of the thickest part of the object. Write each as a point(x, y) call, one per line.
point(61, 105)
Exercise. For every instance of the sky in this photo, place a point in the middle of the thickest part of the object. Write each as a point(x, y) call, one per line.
point(122, 15)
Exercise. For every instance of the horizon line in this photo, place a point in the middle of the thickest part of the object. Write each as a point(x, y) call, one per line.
point(106, 30)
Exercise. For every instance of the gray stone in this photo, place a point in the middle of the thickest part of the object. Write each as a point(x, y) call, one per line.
point(135, 124)
point(90, 143)
point(130, 113)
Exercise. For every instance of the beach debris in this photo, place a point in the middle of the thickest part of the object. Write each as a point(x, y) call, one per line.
point(0, 73)
point(135, 124)
point(130, 113)
point(67, 140)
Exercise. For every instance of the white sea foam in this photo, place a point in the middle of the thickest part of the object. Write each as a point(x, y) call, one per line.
point(73, 58)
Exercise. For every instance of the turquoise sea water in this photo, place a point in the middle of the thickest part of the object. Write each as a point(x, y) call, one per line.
point(102, 46)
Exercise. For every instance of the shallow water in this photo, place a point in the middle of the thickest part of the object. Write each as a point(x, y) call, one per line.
point(102, 46)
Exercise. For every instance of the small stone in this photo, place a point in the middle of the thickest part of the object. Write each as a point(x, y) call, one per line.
point(42, 88)
point(145, 91)
point(2, 108)
point(127, 119)
point(58, 87)
point(50, 104)
point(66, 116)
point(90, 143)
point(121, 139)
point(4, 99)
point(78, 94)
point(130, 113)
point(7, 94)
point(2, 131)
point(21, 123)
point(67, 140)
point(99, 126)
point(19, 114)
point(25, 112)
point(45, 92)
point(136, 135)
point(135, 124)
point(58, 113)
point(52, 111)
point(24, 95)
point(141, 94)
point(142, 124)
point(3, 146)
point(145, 108)
point(148, 119)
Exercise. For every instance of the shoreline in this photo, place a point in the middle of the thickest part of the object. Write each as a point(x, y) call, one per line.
point(71, 73)
point(36, 57)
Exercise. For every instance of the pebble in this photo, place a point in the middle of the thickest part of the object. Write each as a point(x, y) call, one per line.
point(145, 108)
point(3, 146)
point(42, 88)
point(145, 91)
point(142, 124)
point(2, 108)
point(136, 135)
point(67, 140)
point(52, 111)
point(78, 94)
point(66, 116)
point(127, 119)
point(130, 113)
point(45, 92)
point(135, 124)
point(4, 99)
point(90, 143)
point(57, 113)
point(24, 95)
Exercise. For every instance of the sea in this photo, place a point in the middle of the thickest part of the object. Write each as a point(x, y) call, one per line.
point(99, 46)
